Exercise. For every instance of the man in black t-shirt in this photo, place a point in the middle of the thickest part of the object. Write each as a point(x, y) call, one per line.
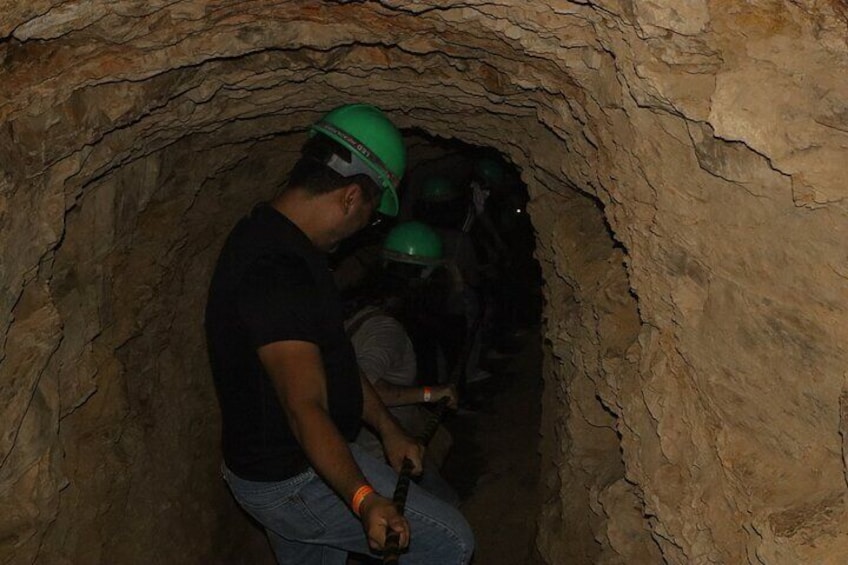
point(291, 394)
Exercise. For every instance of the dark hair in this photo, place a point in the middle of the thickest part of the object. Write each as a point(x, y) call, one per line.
point(400, 290)
point(312, 174)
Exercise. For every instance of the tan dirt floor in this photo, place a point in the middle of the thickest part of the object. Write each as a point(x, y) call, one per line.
point(494, 463)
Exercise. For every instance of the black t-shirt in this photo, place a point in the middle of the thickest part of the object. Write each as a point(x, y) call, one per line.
point(271, 284)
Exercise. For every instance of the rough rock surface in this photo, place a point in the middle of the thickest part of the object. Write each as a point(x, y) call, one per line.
point(687, 162)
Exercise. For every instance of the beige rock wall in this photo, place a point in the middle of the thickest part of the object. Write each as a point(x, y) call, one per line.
point(687, 163)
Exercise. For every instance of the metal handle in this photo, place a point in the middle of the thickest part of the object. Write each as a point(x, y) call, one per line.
point(391, 549)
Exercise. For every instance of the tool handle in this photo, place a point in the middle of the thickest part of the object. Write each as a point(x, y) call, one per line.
point(435, 420)
point(391, 553)
point(391, 549)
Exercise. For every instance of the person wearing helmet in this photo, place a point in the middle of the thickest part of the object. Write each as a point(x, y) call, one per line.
point(447, 208)
point(414, 244)
point(487, 184)
point(397, 298)
point(291, 393)
point(489, 172)
point(503, 233)
point(441, 203)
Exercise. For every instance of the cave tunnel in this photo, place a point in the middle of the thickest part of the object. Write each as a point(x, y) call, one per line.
point(686, 168)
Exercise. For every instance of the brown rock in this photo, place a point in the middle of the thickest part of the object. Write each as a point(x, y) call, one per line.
point(687, 163)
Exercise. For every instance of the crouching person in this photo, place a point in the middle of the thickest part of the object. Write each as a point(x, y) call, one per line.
point(403, 294)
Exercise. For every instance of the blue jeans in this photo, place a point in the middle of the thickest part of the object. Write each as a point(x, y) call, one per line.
point(308, 524)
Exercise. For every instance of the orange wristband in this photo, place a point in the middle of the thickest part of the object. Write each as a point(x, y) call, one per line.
point(359, 497)
point(428, 394)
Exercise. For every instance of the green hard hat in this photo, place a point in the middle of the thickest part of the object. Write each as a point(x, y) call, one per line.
point(374, 141)
point(438, 189)
point(413, 242)
point(489, 171)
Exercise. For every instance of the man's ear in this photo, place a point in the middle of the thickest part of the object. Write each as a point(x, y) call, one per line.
point(349, 193)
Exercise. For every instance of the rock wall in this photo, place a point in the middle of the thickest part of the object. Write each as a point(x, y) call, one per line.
point(687, 167)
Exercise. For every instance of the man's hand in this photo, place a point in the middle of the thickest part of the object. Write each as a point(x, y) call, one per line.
point(396, 444)
point(445, 391)
point(378, 515)
point(399, 446)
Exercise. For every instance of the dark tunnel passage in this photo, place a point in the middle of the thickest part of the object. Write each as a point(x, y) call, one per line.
point(683, 334)
point(158, 250)
point(490, 457)
point(144, 230)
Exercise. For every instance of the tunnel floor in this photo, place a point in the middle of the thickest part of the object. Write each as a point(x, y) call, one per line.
point(494, 462)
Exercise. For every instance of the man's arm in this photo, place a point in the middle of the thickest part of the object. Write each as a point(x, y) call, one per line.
point(379, 343)
point(399, 395)
point(298, 375)
point(396, 443)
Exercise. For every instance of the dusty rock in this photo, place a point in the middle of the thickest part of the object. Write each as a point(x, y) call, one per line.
point(687, 163)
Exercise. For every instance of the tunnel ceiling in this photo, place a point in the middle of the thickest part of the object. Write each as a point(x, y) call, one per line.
point(687, 167)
